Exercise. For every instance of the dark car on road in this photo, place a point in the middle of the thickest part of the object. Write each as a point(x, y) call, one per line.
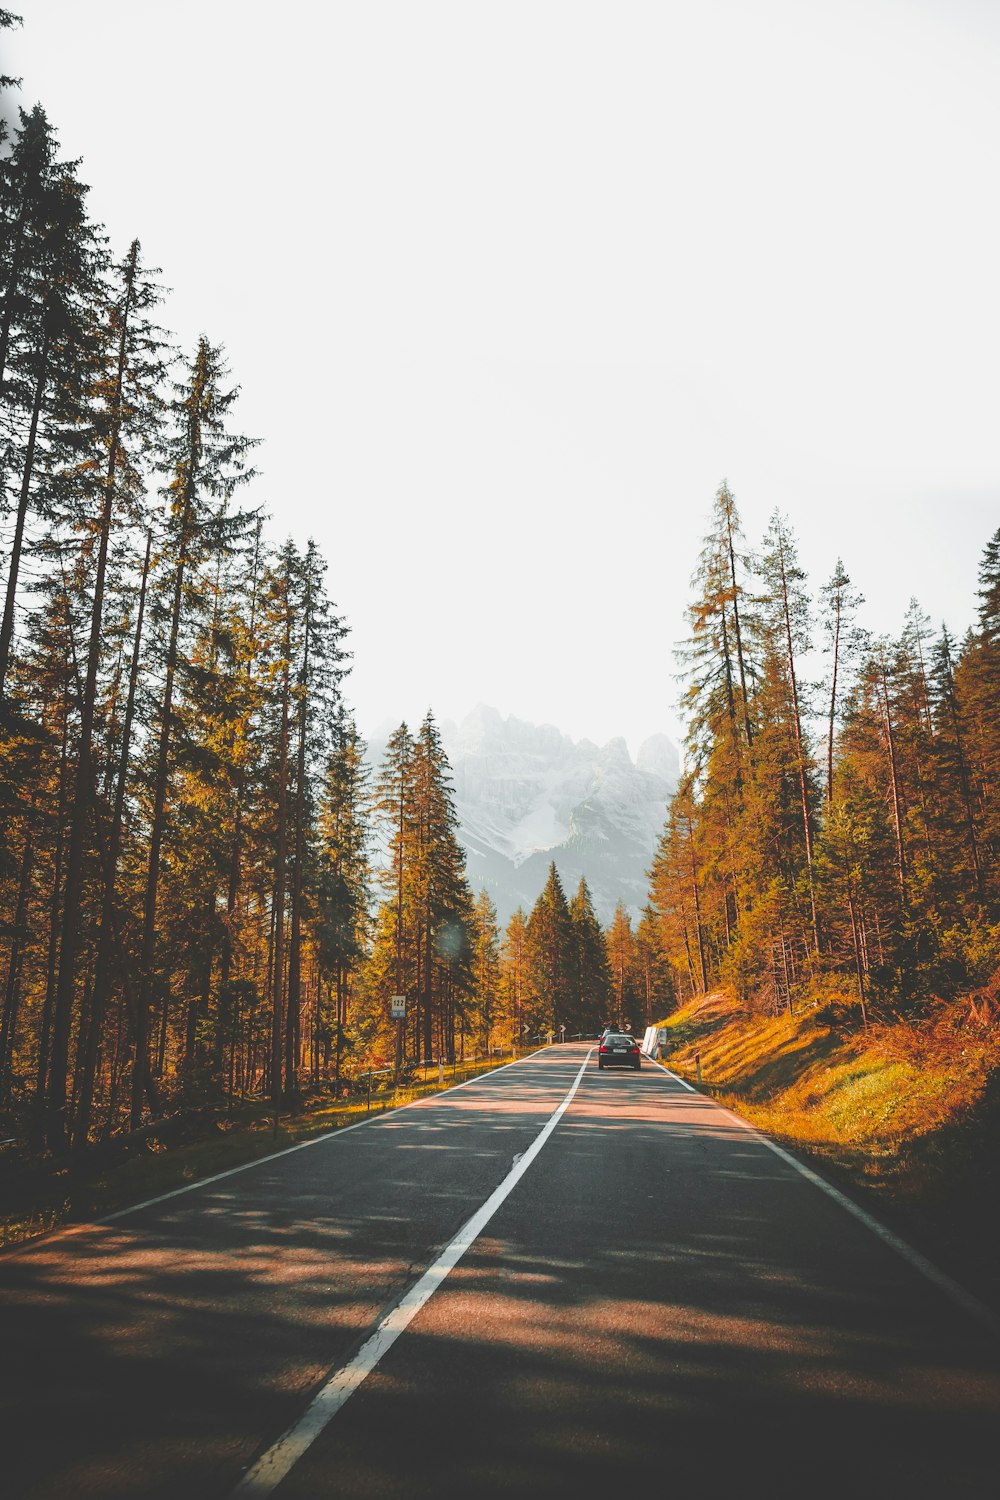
point(618, 1050)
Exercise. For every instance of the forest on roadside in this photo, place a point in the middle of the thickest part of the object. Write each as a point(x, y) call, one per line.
point(834, 837)
point(206, 893)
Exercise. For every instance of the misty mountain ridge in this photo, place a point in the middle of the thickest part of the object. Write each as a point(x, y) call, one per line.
point(527, 794)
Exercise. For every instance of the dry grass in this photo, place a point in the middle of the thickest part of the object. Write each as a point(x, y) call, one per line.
point(873, 1090)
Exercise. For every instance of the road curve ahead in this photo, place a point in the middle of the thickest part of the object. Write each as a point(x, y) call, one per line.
point(653, 1296)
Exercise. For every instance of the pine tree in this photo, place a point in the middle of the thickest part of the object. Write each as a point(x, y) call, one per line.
point(915, 738)
point(955, 804)
point(977, 681)
point(442, 900)
point(549, 987)
point(720, 662)
point(108, 919)
point(654, 980)
point(898, 857)
point(205, 465)
point(513, 959)
point(344, 872)
point(7, 20)
point(126, 427)
point(486, 968)
point(25, 185)
point(317, 694)
point(393, 802)
point(52, 362)
point(858, 850)
point(40, 760)
point(786, 620)
point(716, 656)
point(670, 887)
point(621, 962)
point(178, 798)
point(592, 977)
point(843, 642)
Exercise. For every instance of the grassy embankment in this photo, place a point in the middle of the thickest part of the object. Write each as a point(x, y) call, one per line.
point(905, 1115)
point(37, 1197)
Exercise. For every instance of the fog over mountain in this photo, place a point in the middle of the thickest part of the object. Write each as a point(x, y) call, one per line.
point(526, 794)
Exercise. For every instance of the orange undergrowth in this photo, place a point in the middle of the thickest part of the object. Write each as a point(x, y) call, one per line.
point(864, 1097)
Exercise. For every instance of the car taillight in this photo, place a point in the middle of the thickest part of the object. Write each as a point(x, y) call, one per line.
point(602, 1048)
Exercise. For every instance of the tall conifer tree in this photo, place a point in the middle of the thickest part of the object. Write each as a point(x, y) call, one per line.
point(551, 959)
point(592, 978)
point(205, 465)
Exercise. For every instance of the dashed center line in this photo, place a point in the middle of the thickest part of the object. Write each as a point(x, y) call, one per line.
point(271, 1468)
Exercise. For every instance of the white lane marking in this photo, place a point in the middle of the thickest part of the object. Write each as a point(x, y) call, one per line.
point(682, 1081)
point(261, 1161)
point(271, 1468)
point(920, 1263)
point(926, 1268)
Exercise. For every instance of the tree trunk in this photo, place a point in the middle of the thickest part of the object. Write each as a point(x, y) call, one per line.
point(748, 727)
point(858, 965)
point(399, 917)
point(894, 780)
point(280, 857)
point(12, 988)
point(7, 625)
point(140, 1071)
point(833, 701)
point(697, 909)
point(964, 787)
point(68, 948)
point(799, 747)
point(105, 930)
point(293, 1024)
point(54, 907)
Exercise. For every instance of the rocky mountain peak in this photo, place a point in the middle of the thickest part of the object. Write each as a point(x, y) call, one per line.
point(527, 794)
point(658, 755)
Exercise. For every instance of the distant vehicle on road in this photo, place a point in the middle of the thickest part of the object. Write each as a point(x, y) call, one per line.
point(618, 1050)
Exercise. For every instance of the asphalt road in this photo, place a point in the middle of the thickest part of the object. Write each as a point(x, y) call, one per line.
point(659, 1299)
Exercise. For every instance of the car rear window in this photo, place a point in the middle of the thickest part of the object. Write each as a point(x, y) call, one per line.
point(619, 1041)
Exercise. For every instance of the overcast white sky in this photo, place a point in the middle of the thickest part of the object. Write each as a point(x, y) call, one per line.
point(510, 287)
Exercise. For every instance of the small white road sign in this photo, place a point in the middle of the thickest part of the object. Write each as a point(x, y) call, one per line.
point(398, 1011)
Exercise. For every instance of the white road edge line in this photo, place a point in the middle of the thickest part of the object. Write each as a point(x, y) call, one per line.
point(920, 1263)
point(272, 1466)
point(261, 1161)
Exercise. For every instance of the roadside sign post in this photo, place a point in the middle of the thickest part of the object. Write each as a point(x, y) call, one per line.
point(398, 1013)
